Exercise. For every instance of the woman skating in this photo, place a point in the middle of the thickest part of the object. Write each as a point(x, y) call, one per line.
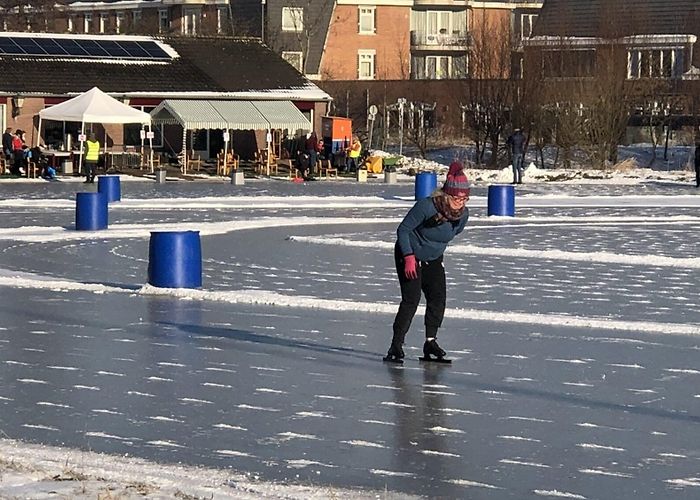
point(422, 238)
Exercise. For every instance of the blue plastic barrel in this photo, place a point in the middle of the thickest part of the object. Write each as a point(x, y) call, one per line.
point(175, 259)
point(90, 211)
point(110, 186)
point(501, 200)
point(426, 183)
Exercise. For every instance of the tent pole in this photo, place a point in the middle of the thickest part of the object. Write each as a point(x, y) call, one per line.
point(81, 136)
point(141, 136)
point(38, 135)
point(150, 145)
point(268, 137)
point(105, 147)
point(184, 149)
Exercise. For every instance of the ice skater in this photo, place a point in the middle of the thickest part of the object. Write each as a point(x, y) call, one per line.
point(697, 162)
point(422, 238)
point(517, 142)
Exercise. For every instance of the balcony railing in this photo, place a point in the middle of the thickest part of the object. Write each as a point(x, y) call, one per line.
point(458, 40)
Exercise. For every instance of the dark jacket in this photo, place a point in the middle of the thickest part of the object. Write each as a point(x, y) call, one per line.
point(421, 235)
point(697, 155)
point(517, 143)
point(7, 141)
point(311, 143)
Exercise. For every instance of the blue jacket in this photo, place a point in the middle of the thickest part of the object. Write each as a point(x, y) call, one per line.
point(421, 235)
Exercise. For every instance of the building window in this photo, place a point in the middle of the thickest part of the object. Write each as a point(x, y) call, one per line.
point(437, 67)
point(103, 22)
point(292, 19)
point(163, 21)
point(119, 22)
point(365, 65)
point(296, 59)
point(87, 23)
point(568, 63)
point(221, 19)
point(437, 23)
point(527, 22)
point(655, 63)
point(136, 19)
point(366, 21)
point(190, 21)
point(71, 23)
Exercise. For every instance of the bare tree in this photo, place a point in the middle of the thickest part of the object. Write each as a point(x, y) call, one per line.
point(489, 91)
point(36, 16)
point(420, 128)
point(534, 114)
point(308, 19)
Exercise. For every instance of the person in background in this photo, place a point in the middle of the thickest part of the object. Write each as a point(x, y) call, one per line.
point(354, 152)
point(320, 146)
point(49, 173)
point(422, 238)
point(18, 153)
point(7, 143)
point(311, 147)
point(92, 156)
point(697, 162)
point(517, 142)
point(303, 163)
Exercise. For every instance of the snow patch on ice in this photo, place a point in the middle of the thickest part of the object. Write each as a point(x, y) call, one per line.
point(473, 484)
point(558, 494)
point(593, 446)
point(445, 430)
point(366, 444)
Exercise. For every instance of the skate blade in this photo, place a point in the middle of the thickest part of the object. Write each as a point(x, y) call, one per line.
point(391, 359)
point(435, 360)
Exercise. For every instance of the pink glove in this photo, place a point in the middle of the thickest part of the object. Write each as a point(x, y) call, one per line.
point(410, 267)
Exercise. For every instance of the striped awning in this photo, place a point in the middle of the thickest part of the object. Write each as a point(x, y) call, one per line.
point(191, 114)
point(195, 114)
point(283, 115)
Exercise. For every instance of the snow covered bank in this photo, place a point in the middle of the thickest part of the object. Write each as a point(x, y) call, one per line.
point(36, 471)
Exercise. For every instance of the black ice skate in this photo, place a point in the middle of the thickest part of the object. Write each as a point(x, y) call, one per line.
point(430, 349)
point(395, 354)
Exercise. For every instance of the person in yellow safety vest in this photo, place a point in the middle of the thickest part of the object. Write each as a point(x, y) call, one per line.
point(92, 156)
point(354, 154)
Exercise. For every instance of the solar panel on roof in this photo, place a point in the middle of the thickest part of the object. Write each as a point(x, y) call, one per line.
point(7, 46)
point(71, 47)
point(50, 46)
point(113, 48)
point(82, 47)
point(92, 48)
point(30, 47)
point(154, 50)
point(135, 50)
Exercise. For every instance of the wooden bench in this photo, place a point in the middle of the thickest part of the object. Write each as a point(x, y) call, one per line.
point(33, 170)
point(224, 166)
point(327, 169)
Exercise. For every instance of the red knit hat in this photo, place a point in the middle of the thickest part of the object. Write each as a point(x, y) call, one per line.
point(456, 183)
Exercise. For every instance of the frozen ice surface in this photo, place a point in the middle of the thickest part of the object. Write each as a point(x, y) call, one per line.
point(573, 329)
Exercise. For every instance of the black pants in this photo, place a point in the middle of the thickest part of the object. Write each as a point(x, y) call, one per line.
point(431, 282)
point(697, 174)
point(90, 167)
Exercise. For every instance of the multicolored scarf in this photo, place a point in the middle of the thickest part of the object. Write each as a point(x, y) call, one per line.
point(445, 212)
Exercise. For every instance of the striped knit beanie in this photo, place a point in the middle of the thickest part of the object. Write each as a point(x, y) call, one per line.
point(456, 183)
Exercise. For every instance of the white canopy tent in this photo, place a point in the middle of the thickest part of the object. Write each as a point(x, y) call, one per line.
point(94, 106)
